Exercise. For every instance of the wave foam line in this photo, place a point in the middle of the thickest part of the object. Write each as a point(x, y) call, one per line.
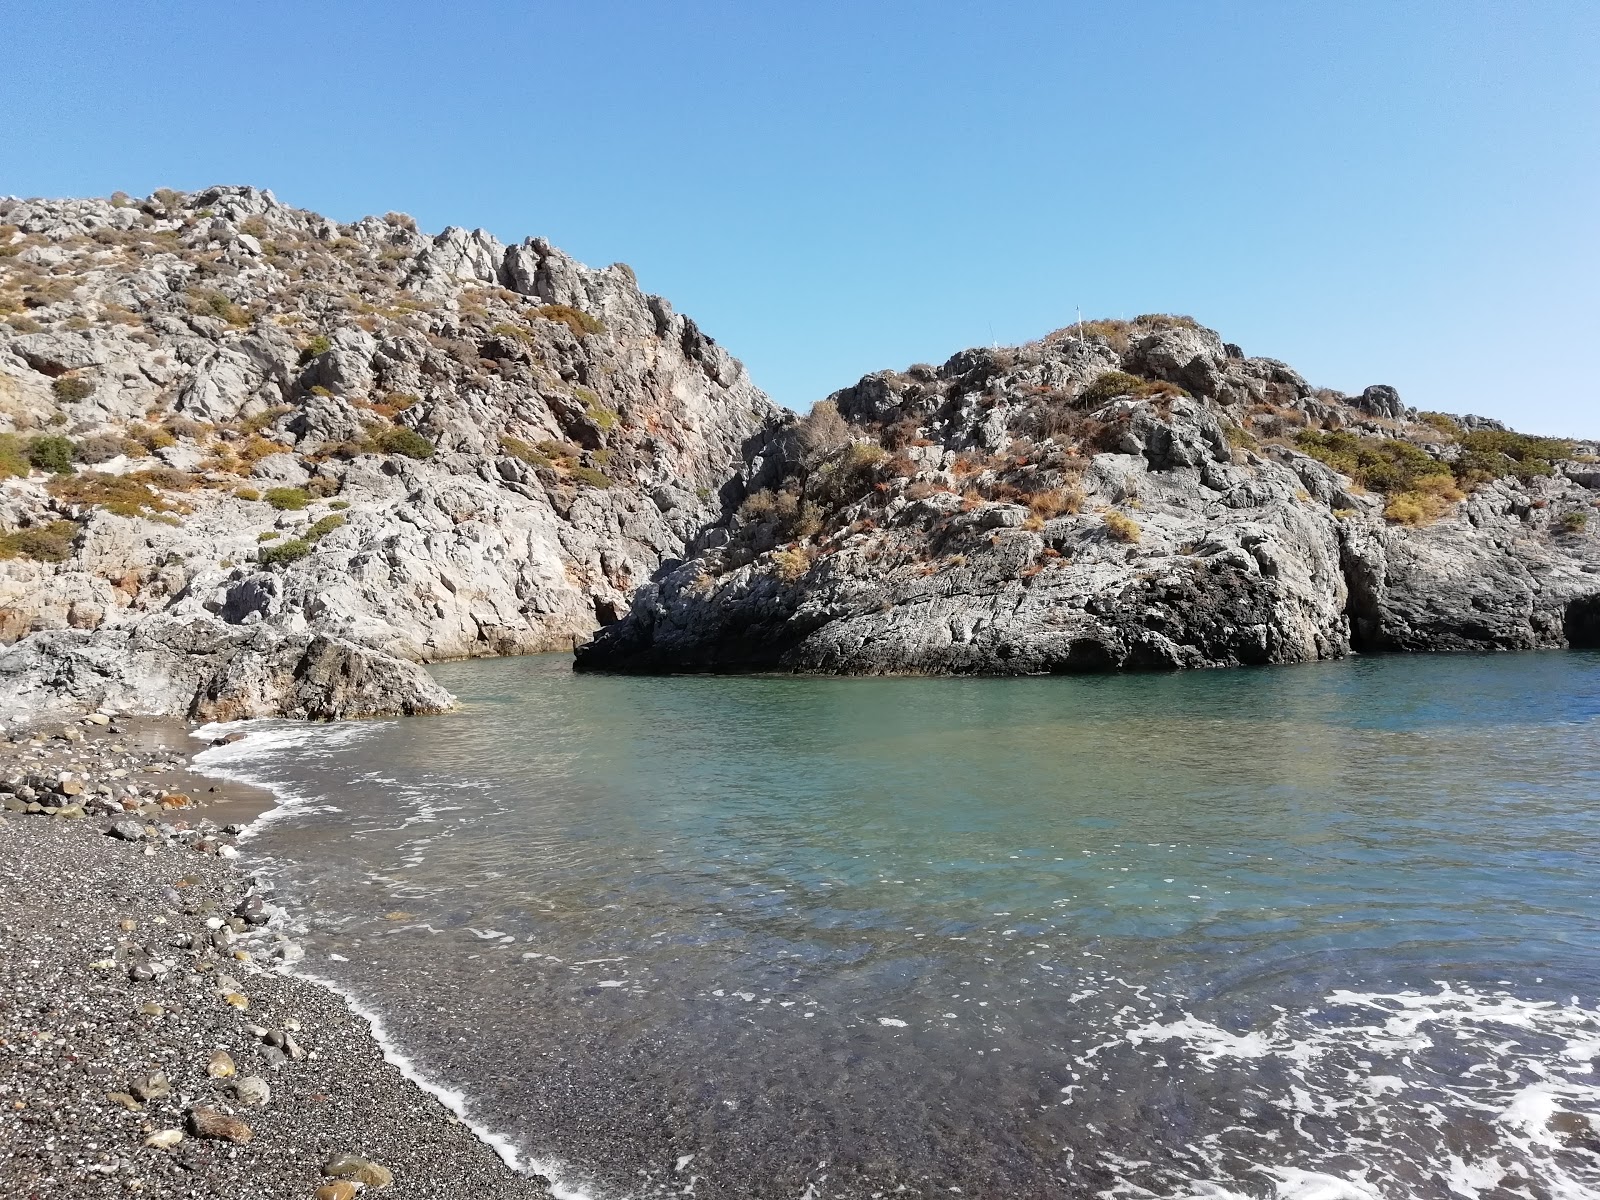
point(264, 738)
point(451, 1098)
point(227, 762)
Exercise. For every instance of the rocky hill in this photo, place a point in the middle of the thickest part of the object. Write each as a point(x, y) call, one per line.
point(258, 461)
point(1126, 495)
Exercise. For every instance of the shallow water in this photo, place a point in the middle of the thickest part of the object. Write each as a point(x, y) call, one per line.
point(1318, 931)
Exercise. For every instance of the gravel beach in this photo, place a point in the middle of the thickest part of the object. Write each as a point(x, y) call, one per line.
point(149, 1042)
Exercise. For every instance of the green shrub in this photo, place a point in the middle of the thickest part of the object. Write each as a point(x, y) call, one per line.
point(606, 418)
point(284, 552)
point(248, 494)
point(1573, 522)
point(590, 477)
point(270, 535)
point(1380, 464)
point(519, 449)
point(579, 322)
point(125, 495)
point(517, 333)
point(339, 505)
point(13, 456)
point(42, 543)
point(323, 526)
point(150, 437)
point(1443, 422)
point(1491, 453)
point(1111, 384)
point(288, 499)
point(317, 346)
point(215, 304)
point(70, 388)
point(401, 440)
point(51, 452)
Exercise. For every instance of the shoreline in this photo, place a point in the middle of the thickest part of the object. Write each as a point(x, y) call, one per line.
point(154, 949)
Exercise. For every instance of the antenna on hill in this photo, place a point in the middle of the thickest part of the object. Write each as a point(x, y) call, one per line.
point(1080, 322)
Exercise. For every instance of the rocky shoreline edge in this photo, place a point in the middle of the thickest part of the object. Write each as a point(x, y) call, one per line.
point(151, 1042)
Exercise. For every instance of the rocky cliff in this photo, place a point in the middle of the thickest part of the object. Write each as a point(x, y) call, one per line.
point(258, 461)
point(1126, 495)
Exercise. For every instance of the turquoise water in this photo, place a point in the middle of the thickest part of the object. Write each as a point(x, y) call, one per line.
point(1315, 931)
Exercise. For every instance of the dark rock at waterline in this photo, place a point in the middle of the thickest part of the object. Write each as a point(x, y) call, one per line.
point(1086, 505)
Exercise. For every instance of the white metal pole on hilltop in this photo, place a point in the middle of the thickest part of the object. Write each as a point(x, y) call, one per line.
point(1080, 322)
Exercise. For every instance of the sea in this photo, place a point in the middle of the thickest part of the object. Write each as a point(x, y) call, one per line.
point(1311, 933)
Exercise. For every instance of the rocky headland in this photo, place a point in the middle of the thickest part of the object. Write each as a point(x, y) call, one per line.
point(1124, 495)
point(257, 462)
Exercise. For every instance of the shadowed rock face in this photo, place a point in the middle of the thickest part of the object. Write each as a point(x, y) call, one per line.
point(487, 447)
point(1125, 496)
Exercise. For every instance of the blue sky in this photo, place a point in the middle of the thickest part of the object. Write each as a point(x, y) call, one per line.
point(1404, 193)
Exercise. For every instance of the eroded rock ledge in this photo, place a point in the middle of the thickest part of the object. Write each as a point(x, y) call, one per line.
point(1124, 496)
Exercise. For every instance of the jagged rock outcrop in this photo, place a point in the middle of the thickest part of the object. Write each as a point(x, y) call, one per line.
point(1125, 495)
point(427, 447)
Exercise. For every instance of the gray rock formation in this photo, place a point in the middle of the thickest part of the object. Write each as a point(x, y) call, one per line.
point(1125, 496)
point(492, 447)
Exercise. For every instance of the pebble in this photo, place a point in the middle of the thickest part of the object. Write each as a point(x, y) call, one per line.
point(361, 1170)
point(152, 1087)
point(220, 1066)
point(339, 1189)
point(209, 1123)
point(164, 1139)
point(252, 1091)
point(127, 1101)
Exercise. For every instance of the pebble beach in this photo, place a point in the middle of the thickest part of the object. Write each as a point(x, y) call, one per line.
point(153, 1040)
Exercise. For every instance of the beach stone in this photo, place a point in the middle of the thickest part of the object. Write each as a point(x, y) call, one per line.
point(273, 1057)
point(151, 1009)
point(69, 811)
point(220, 1066)
point(164, 1139)
point(70, 787)
point(152, 1087)
point(127, 1101)
point(127, 829)
point(209, 1123)
point(251, 1090)
point(339, 1189)
point(237, 1000)
point(361, 1170)
point(97, 719)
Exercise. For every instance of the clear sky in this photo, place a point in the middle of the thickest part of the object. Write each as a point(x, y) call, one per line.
point(1396, 192)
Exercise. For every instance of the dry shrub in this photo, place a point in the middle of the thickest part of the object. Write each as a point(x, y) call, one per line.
point(822, 430)
point(791, 564)
point(1055, 501)
point(1426, 501)
point(1122, 528)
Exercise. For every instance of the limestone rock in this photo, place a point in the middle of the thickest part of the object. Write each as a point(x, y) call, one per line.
point(478, 438)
